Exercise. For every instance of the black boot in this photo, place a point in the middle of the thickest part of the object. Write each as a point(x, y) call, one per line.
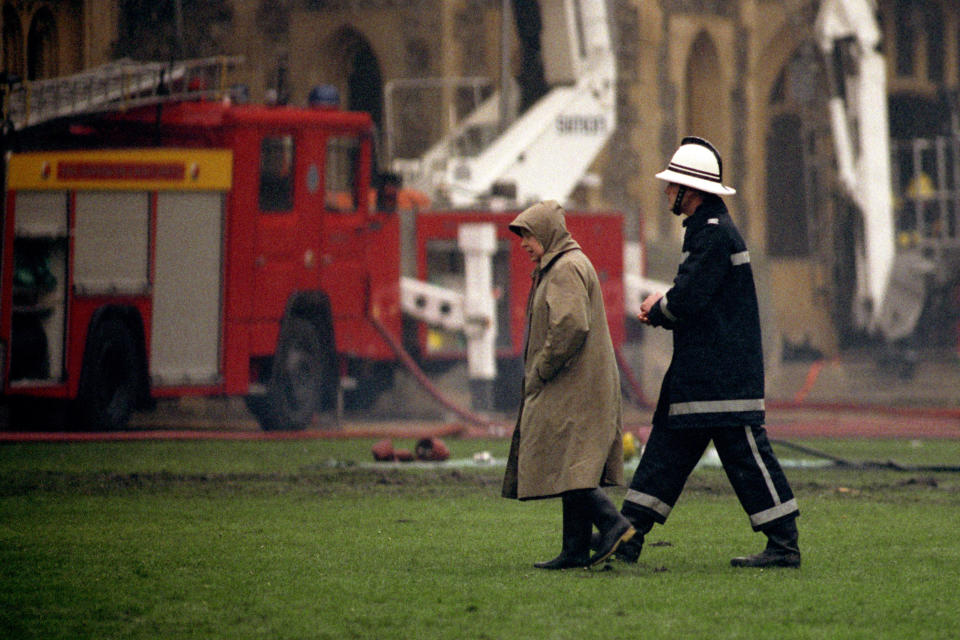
point(614, 528)
point(576, 534)
point(628, 551)
point(782, 548)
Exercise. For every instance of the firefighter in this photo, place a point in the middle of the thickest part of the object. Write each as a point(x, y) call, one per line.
point(713, 389)
point(568, 437)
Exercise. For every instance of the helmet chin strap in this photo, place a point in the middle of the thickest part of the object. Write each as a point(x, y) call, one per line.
point(677, 208)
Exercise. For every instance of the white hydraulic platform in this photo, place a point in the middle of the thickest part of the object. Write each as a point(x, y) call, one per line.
point(858, 118)
point(472, 311)
point(547, 151)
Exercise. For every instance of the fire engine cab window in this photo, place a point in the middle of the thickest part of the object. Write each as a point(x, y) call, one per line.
point(276, 173)
point(341, 188)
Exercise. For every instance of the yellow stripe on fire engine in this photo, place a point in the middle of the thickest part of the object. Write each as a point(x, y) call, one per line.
point(123, 170)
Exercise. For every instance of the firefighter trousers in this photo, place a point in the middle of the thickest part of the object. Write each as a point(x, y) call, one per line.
point(670, 455)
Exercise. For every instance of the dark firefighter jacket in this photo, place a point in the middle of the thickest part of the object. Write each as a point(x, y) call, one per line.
point(715, 378)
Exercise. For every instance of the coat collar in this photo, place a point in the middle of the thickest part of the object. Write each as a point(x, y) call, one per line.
point(712, 207)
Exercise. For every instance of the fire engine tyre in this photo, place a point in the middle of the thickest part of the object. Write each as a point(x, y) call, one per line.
point(302, 371)
point(109, 380)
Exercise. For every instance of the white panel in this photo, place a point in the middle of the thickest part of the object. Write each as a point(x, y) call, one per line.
point(41, 214)
point(185, 338)
point(112, 242)
point(41, 226)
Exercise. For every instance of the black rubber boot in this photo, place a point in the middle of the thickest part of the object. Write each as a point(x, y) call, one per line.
point(576, 534)
point(615, 529)
point(782, 549)
point(628, 551)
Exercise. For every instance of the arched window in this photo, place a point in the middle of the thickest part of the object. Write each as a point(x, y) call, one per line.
point(706, 108)
point(918, 40)
point(358, 74)
point(705, 112)
point(42, 46)
point(12, 41)
point(786, 197)
point(796, 149)
point(364, 80)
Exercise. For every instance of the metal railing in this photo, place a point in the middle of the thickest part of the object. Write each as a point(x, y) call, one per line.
point(926, 179)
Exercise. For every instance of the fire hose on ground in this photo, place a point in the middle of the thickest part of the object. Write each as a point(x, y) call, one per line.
point(637, 396)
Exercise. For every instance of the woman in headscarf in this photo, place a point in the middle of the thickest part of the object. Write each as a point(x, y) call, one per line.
point(568, 437)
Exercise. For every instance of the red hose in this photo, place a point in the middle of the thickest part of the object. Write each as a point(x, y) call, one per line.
point(799, 400)
point(411, 365)
point(808, 383)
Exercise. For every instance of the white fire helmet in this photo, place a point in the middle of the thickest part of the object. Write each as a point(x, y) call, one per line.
point(696, 164)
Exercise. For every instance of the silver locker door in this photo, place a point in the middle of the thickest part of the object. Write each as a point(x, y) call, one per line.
point(185, 343)
point(112, 243)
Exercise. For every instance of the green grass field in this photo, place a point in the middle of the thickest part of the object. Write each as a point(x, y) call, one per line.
point(304, 539)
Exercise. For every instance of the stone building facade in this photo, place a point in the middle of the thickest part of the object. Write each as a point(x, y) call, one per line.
point(743, 73)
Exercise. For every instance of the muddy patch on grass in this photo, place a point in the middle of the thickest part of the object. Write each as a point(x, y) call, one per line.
point(318, 481)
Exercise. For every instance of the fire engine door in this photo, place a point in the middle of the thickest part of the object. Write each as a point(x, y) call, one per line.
point(308, 238)
point(285, 229)
point(344, 245)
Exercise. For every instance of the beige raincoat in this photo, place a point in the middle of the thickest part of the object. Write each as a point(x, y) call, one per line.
point(569, 428)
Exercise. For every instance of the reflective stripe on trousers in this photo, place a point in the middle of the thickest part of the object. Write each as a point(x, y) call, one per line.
point(670, 455)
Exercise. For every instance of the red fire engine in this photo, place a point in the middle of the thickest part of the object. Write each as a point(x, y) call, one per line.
point(209, 248)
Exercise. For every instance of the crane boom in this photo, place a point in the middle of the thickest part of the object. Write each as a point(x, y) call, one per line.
point(849, 37)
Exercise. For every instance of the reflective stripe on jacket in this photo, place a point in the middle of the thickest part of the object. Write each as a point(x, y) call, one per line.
point(715, 377)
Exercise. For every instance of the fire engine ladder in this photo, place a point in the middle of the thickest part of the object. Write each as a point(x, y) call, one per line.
point(117, 85)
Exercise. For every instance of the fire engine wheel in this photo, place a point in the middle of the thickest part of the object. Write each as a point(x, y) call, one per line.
point(301, 372)
point(108, 383)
